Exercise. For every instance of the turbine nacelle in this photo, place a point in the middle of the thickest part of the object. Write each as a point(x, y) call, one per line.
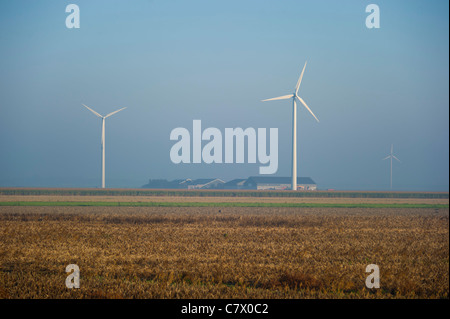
point(392, 155)
point(101, 116)
point(295, 95)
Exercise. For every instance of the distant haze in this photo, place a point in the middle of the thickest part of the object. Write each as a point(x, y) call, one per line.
point(172, 62)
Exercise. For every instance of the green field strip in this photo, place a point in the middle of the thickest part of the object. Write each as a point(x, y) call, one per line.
point(219, 204)
point(221, 193)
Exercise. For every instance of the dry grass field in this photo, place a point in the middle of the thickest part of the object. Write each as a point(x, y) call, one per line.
point(198, 199)
point(229, 252)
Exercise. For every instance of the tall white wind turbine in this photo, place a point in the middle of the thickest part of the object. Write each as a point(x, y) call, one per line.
point(391, 156)
point(103, 138)
point(294, 97)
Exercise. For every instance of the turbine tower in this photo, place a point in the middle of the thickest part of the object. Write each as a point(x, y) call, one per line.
point(391, 156)
point(103, 138)
point(294, 96)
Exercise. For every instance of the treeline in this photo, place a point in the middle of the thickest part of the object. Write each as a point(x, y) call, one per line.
point(218, 193)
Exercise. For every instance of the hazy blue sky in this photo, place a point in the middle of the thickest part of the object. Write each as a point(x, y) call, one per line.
point(170, 62)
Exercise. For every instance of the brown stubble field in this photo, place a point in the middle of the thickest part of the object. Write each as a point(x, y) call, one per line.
point(230, 252)
point(202, 199)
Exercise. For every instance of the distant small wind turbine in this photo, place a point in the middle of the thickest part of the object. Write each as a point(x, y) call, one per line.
point(103, 138)
point(391, 156)
point(294, 124)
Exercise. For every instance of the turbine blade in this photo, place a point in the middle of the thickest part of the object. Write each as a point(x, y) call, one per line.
point(112, 113)
point(284, 97)
point(396, 158)
point(92, 110)
point(389, 156)
point(300, 79)
point(303, 102)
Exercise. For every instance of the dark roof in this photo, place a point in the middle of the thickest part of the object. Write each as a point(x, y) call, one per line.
point(202, 181)
point(235, 181)
point(279, 180)
point(179, 181)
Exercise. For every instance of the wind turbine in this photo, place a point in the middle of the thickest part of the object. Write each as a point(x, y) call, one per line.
point(103, 138)
point(294, 96)
point(391, 156)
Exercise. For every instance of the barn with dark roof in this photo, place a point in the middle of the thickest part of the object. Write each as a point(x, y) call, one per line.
point(279, 183)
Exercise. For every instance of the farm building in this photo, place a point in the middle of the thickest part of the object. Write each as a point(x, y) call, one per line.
point(206, 183)
point(188, 183)
point(238, 183)
point(279, 183)
point(255, 182)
